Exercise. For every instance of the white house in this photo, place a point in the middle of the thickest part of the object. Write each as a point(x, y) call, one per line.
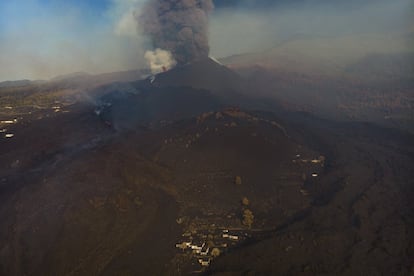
point(233, 237)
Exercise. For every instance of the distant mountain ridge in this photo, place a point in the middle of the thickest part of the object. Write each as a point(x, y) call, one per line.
point(326, 55)
point(16, 83)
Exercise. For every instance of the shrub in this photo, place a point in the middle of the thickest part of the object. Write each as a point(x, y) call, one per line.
point(215, 252)
point(245, 201)
point(248, 218)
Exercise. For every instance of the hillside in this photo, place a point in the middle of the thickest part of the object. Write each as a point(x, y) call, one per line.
point(327, 55)
point(170, 176)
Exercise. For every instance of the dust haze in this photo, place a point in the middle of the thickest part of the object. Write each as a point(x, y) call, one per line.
point(62, 41)
point(323, 31)
point(63, 38)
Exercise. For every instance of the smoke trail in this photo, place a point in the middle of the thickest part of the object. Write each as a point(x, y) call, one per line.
point(179, 26)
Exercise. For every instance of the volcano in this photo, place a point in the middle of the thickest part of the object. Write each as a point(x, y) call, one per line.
point(205, 74)
point(183, 173)
point(185, 91)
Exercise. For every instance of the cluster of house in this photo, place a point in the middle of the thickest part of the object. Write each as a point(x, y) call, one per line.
point(320, 161)
point(202, 251)
point(56, 108)
point(4, 130)
point(227, 235)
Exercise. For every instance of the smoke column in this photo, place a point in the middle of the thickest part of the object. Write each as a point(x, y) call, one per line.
point(178, 26)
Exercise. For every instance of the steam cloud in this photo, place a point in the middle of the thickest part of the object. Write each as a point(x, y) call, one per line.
point(159, 60)
point(178, 26)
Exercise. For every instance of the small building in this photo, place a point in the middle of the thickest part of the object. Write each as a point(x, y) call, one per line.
point(197, 248)
point(204, 251)
point(233, 237)
point(204, 261)
point(182, 246)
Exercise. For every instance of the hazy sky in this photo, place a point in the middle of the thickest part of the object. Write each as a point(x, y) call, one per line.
point(45, 38)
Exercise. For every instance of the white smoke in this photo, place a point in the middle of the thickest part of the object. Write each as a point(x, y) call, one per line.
point(159, 60)
point(126, 25)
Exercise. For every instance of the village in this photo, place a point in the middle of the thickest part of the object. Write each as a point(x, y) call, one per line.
point(207, 237)
point(19, 114)
point(200, 247)
point(4, 130)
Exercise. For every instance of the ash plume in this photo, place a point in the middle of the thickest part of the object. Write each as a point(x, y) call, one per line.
point(178, 26)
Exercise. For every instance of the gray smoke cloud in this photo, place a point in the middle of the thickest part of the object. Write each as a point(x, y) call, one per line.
point(178, 26)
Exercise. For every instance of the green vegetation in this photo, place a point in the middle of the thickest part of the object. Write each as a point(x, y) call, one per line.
point(215, 252)
point(248, 218)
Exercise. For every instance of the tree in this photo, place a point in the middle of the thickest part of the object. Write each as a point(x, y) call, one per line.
point(215, 252)
point(248, 218)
